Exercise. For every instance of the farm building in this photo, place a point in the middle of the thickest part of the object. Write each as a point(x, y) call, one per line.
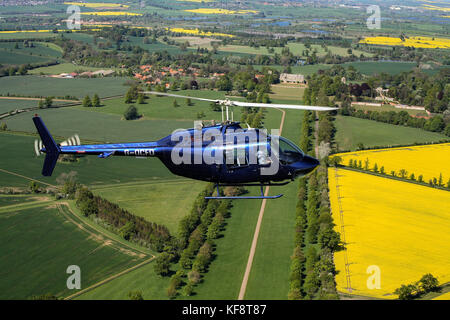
point(292, 78)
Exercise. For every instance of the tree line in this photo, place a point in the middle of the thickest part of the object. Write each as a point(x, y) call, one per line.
point(402, 118)
point(120, 221)
point(195, 244)
point(437, 182)
point(312, 266)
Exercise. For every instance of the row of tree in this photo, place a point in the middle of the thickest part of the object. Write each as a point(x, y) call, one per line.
point(402, 173)
point(402, 118)
point(129, 226)
point(195, 244)
point(312, 266)
point(88, 103)
point(428, 283)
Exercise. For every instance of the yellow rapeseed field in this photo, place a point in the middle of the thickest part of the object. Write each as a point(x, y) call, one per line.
point(445, 296)
point(416, 42)
point(431, 7)
point(220, 11)
point(426, 160)
point(111, 13)
point(97, 5)
point(399, 227)
point(199, 32)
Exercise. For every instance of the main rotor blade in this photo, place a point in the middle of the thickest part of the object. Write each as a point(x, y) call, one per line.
point(179, 96)
point(281, 106)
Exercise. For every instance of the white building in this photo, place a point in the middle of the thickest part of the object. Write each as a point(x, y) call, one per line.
point(292, 78)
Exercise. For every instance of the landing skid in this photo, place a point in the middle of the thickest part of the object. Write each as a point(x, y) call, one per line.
point(262, 196)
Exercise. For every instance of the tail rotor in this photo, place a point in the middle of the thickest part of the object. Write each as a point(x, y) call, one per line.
point(72, 141)
point(38, 145)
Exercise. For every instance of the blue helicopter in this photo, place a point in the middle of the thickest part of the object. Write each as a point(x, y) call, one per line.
point(225, 154)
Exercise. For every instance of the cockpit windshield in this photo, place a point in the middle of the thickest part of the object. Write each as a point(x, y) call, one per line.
point(289, 152)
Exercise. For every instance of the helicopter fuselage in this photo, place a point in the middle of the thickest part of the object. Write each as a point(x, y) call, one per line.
point(249, 157)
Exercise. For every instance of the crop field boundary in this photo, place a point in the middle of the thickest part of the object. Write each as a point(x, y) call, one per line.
point(137, 184)
point(24, 206)
point(72, 103)
point(100, 283)
point(76, 217)
point(25, 177)
point(397, 146)
point(116, 244)
point(423, 184)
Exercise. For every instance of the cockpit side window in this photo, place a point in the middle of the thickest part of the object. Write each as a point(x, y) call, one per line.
point(288, 151)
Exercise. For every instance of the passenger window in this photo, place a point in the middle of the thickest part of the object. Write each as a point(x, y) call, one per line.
point(236, 157)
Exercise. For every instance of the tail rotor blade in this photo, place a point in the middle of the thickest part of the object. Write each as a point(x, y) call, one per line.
point(72, 141)
point(38, 145)
point(77, 138)
point(36, 148)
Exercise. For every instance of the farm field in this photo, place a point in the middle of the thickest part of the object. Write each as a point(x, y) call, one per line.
point(7, 105)
point(295, 48)
point(19, 159)
point(98, 126)
point(427, 160)
point(351, 131)
point(162, 108)
point(44, 86)
point(144, 279)
point(400, 232)
point(372, 67)
point(62, 68)
point(389, 108)
point(51, 227)
point(16, 58)
point(286, 91)
point(27, 35)
point(445, 296)
point(163, 201)
point(415, 42)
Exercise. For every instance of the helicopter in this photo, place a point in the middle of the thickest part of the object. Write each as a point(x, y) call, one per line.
point(225, 154)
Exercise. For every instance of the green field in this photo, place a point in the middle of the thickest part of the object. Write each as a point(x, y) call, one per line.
point(18, 58)
point(144, 279)
point(10, 200)
point(389, 108)
point(162, 107)
point(45, 86)
point(40, 52)
point(97, 126)
point(163, 202)
point(296, 48)
point(62, 68)
point(19, 158)
point(370, 67)
point(38, 244)
point(28, 35)
point(287, 92)
point(352, 131)
point(7, 105)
